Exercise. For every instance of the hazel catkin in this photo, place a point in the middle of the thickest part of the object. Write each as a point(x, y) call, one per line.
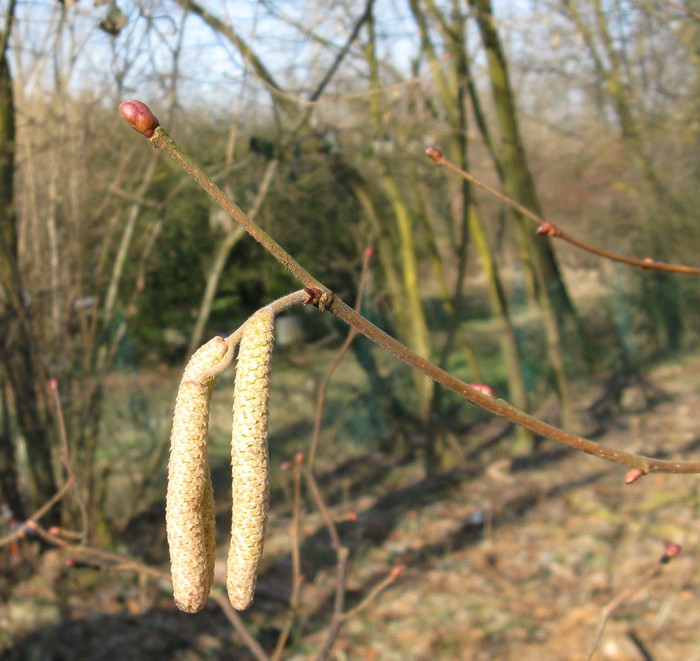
point(190, 520)
point(249, 458)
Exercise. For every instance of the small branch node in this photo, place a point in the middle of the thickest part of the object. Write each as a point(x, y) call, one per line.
point(484, 389)
point(549, 230)
point(671, 551)
point(634, 474)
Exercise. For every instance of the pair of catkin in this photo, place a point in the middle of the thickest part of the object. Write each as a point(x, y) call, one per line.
point(190, 520)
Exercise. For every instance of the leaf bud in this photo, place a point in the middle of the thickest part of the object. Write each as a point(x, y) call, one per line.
point(140, 117)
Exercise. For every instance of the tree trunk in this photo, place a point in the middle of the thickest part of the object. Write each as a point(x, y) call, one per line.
point(552, 294)
point(22, 376)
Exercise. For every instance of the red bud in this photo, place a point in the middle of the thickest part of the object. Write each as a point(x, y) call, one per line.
point(397, 571)
point(633, 474)
point(484, 389)
point(139, 115)
point(547, 229)
point(671, 551)
point(314, 294)
point(299, 458)
point(434, 154)
point(369, 251)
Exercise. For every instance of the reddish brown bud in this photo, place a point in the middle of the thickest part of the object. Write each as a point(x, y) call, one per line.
point(648, 260)
point(139, 115)
point(484, 389)
point(369, 251)
point(633, 474)
point(397, 571)
point(286, 466)
point(314, 295)
point(53, 385)
point(434, 154)
point(55, 531)
point(671, 551)
point(351, 516)
point(299, 458)
point(547, 229)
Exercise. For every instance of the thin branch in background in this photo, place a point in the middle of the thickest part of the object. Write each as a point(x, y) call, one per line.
point(53, 388)
point(550, 230)
point(342, 554)
point(340, 616)
point(683, 8)
point(672, 550)
point(352, 334)
point(114, 562)
point(221, 598)
point(369, 598)
point(20, 532)
point(297, 578)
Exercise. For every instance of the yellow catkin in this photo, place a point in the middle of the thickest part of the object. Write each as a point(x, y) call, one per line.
point(189, 518)
point(249, 458)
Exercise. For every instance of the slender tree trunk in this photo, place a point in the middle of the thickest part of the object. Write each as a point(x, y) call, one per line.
point(667, 315)
point(17, 356)
point(518, 183)
point(454, 95)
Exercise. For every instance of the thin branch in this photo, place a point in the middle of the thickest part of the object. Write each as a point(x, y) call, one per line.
point(323, 386)
point(116, 562)
point(31, 521)
point(683, 8)
point(235, 619)
point(672, 550)
point(61, 423)
point(390, 578)
point(550, 230)
point(142, 119)
point(297, 578)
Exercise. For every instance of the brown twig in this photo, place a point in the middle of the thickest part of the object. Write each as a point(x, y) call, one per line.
point(550, 230)
point(390, 578)
point(342, 554)
point(66, 460)
point(221, 598)
point(297, 578)
point(340, 615)
point(338, 618)
point(36, 516)
point(324, 299)
point(162, 140)
point(672, 550)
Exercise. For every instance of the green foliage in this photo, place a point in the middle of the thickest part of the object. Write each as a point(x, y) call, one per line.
point(176, 276)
